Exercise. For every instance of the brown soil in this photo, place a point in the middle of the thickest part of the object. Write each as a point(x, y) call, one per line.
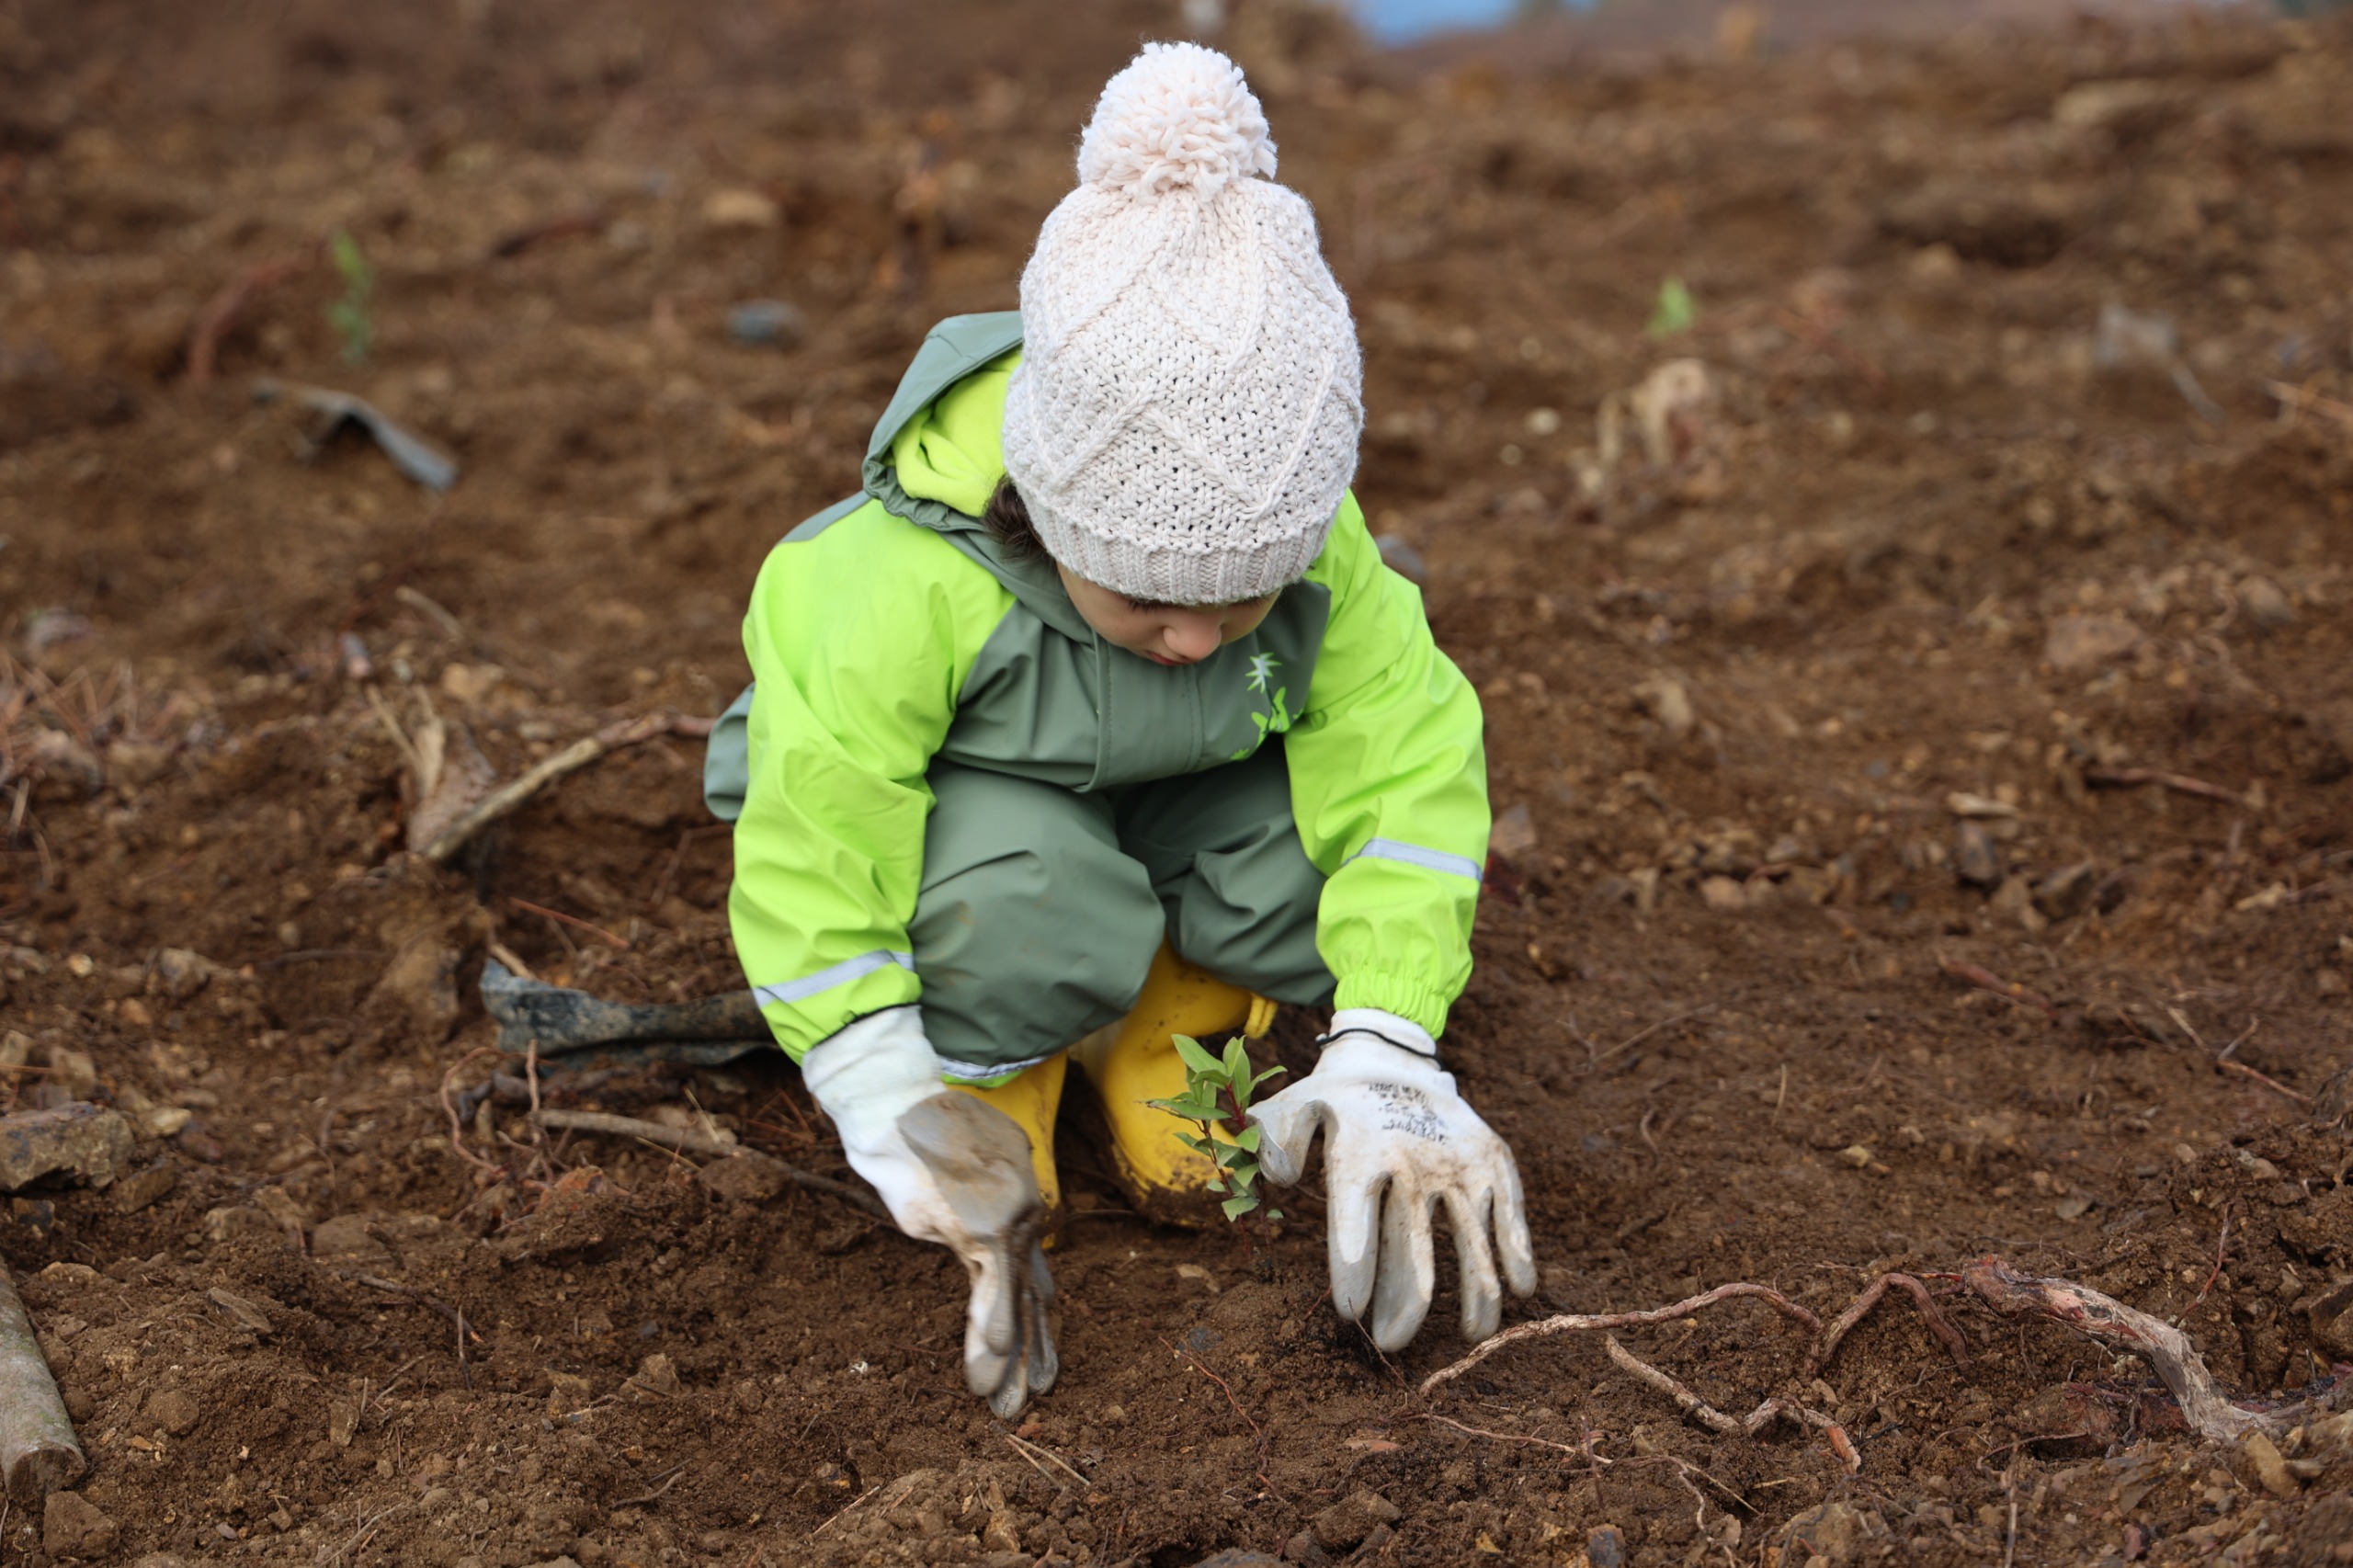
point(1912, 539)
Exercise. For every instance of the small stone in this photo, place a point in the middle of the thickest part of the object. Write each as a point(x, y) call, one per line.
point(2265, 605)
point(1513, 834)
point(2331, 1321)
point(184, 972)
point(2014, 898)
point(741, 209)
point(2077, 643)
point(2269, 1468)
point(342, 1420)
point(1665, 699)
point(1305, 1550)
point(566, 1393)
point(175, 1410)
point(746, 1177)
point(282, 1207)
point(347, 1238)
point(248, 1314)
point(1856, 1155)
point(2066, 892)
point(1606, 1548)
point(1961, 804)
point(766, 323)
point(1724, 892)
point(72, 1073)
point(470, 684)
point(1348, 1521)
point(71, 1527)
point(2074, 1206)
point(81, 1139)
point(141, 1191)
point(1975, 858)
point(655, 1377)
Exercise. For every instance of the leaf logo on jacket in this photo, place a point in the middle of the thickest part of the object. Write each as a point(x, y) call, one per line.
point(1262, 672)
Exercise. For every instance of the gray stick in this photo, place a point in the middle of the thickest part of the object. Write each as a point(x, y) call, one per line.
point(38, 1448)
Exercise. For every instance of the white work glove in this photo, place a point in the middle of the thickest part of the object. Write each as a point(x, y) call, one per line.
point(955, 1171)
point(1392, 1121)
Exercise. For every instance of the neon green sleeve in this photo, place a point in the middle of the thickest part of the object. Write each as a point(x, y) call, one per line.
point(1389, 786)
point(861, 639)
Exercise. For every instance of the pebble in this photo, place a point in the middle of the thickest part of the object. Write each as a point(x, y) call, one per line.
point(1975, 858)
point(2077, 643)
point(141, 1191)
point(2269, 1468)
point(766, 323)
point(2264, 603)
point(2066, 892)
point(1724, 892)
point(741, 209)
point(80, 1139)
point(1606, 1548)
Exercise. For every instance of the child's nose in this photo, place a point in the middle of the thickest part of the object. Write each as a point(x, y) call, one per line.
point(1193, 637)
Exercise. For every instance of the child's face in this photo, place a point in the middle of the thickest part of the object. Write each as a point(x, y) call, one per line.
point(1166, 635)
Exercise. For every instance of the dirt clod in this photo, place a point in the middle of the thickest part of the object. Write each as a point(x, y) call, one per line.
point(1340, 1527)
point(71, 1527)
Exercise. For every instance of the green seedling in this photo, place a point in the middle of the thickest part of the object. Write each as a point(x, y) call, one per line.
point(1217, 1099)
point(350, 315)
point(1675, 311)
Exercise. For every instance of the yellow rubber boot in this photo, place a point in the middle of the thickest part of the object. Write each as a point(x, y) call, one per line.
point(1135, 1060)
point(1031, 1100)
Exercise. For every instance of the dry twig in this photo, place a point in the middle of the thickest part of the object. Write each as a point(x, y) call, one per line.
point(693, 1142)
point(2180, 783)
point(571, 760)
point(2008, 990)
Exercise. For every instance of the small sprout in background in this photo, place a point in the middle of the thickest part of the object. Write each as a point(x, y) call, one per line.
point(1217, 1099)
point(348, 315)
point(1675, 311)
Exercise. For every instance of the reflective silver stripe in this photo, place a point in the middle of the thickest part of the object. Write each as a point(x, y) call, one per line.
point(826, 979)
point(1415, 855)
point(973, 1072)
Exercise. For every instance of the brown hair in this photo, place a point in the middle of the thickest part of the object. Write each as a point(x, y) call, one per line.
point(1006, 517)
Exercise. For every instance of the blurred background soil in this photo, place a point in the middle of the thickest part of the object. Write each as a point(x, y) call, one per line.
point(1894, 495)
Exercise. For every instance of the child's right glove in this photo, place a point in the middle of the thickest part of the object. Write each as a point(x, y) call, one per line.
point(1392, 1121)
point(954, 1171)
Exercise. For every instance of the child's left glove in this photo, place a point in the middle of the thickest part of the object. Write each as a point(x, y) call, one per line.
point(1393, 1121)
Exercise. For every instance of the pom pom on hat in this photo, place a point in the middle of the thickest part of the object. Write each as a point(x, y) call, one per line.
point(1179, 118)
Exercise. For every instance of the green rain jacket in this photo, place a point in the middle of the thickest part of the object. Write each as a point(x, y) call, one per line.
point(890, 630)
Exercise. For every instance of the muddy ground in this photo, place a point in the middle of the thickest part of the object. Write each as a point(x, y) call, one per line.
point(1911, 526)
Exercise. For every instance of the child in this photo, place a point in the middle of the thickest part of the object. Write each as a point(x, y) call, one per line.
point(1096, 718)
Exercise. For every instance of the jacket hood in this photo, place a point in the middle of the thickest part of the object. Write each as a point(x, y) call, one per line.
point(940, 439)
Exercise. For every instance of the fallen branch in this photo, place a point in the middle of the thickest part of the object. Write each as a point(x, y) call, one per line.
point(2180, 783)
point(2008, 990)
point(691, 1142)
point(38, 1451)
point(571, 760)
point(2203, 1404)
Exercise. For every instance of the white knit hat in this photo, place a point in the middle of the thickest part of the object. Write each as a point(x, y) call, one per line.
point(1184, 422)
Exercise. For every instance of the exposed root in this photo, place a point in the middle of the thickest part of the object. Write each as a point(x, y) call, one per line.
point(1938, 1323)
point(571, 760)
point(2203, 1404)
point(1571, 1323)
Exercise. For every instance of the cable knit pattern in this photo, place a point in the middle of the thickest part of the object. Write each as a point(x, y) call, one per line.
point(1185, 419)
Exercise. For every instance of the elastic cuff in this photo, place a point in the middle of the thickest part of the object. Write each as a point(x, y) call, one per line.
point(1373, 1023)
point(1409, 999)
